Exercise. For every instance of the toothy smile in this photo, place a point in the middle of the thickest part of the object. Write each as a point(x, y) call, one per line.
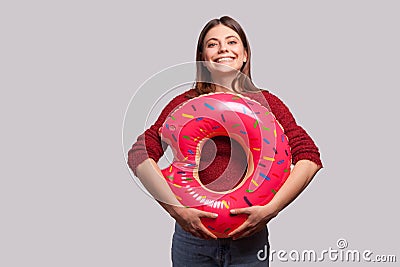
point(224, 59)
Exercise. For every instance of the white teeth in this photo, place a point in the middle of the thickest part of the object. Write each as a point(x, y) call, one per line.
point(224, 59)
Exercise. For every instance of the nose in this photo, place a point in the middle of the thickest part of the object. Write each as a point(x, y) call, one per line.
point(222, 49)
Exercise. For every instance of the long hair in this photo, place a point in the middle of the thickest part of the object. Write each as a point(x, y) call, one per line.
point(242, 82)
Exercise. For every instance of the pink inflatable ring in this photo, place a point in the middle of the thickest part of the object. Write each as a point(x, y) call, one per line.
point(242, 119)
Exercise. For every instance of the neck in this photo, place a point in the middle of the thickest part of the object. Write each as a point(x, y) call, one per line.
point(223, 83)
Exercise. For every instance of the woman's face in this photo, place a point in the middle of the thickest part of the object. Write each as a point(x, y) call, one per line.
point(223, 45)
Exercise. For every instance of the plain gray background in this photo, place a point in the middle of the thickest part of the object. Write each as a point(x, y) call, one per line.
point(70, 68)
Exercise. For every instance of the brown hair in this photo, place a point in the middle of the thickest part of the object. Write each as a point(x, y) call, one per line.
point(242, 83)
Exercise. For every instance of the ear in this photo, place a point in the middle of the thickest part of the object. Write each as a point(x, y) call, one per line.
point(245, 57)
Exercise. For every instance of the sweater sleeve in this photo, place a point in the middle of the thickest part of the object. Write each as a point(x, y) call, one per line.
point(149, 144)
point(301, 144)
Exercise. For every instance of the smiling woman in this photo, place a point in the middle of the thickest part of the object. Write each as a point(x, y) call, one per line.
point(223, 45)
point(223, 41)
point(223, 56)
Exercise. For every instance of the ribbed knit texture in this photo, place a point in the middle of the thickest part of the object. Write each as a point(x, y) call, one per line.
point(215, 158)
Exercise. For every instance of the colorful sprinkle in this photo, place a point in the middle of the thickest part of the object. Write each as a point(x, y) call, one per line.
point(215, 127)
point(170, 168)
point(249, 191)
point(266, 141)
point(172, 117)
point(285, 170)
point(281, 161)
point(247, 201)
point(212, 228)
point(265, 128)
point(233, 198)
point(167, 125)
point(209, 106)
point(287, 154)
point(275, 132)
point(262, 165)
point(170, 177)
point(186, 137)
point(178, 197)
point(264, 176)
point(273, 191)
point(275, 151)
point(256, 148)
point(283, 138)
point(193, 107)
point(187, 116)
point(223, 118)
point(255, 124)
point(244, 110)
point(225, 204)
point(235, 125)
point(268, 158)
point(235, 97)
point(199, 119)
point(190, 152)
point(227, 229)
point(254, 182)
point(177, 185)
point(174, 137)
point(181, 172)
point(190, 165)
point(242, 132)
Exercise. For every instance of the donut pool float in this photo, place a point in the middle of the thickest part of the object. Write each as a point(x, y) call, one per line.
point(242, 119)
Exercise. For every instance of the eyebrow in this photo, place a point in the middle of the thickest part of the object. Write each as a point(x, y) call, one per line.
point(215, 39)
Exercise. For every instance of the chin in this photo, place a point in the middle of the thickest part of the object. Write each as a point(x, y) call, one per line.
point(223, 68)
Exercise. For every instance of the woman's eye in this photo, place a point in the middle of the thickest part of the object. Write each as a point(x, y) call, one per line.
point(232, 42)
point(211, 44)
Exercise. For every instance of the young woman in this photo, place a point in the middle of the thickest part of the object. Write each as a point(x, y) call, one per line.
point(225, 58)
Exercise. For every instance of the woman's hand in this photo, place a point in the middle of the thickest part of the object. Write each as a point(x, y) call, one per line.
point(258, 217)
point(189, 220)
point(300, 176)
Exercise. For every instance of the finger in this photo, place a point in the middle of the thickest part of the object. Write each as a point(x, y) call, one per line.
point(207, 232)
point(248, 232)
point(197, 234)
point(241, 211)
point(200, 234)
point(195, 231)
point(244, 234)
point(204, 236)
point(241, 228)
point(205, 214)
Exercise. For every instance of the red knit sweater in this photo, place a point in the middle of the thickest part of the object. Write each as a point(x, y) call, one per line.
point(223, 162)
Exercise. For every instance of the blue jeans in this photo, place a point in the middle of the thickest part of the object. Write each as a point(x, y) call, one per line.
point(188, 250)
